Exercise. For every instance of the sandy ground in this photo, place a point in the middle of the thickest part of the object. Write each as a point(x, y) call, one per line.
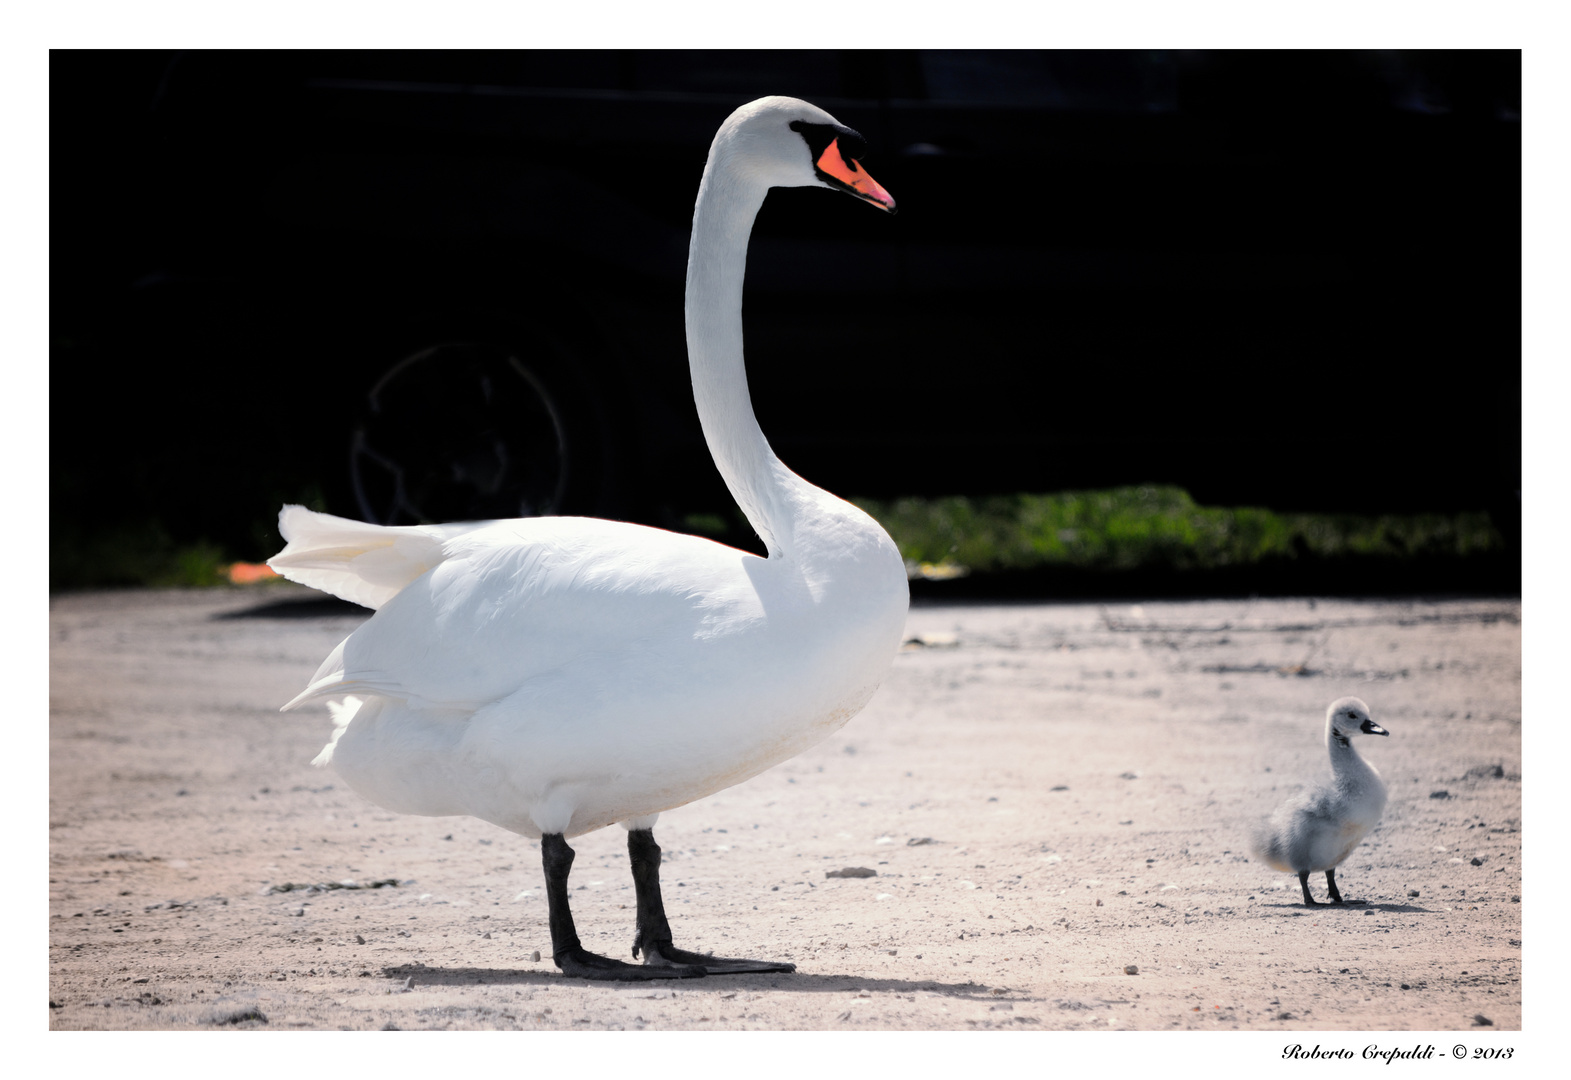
point(1046, 793)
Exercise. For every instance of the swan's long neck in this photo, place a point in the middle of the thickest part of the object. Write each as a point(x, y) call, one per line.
point(728, 201)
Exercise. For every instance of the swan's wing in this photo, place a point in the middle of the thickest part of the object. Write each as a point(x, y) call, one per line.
point(362, 563)
point(522, 597)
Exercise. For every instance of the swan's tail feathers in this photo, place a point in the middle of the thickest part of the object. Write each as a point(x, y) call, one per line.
point(364, 564)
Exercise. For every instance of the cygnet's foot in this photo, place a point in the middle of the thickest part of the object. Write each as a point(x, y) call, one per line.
point(658, 956)
point(580, 963)
point(1303, 883)
point(1336, 896)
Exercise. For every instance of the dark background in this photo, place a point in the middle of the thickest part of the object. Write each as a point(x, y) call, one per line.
point(1280, 279)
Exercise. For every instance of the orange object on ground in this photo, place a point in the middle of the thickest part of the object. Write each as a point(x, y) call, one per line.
point(249, 573)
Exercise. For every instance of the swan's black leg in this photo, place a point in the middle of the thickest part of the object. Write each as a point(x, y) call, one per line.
point(1303, 882)
point(1336, 897)
point(569, 955)
point(654, 931)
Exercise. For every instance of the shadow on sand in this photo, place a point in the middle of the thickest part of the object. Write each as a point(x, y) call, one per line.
point(1296, 907)
point(311, 607)
point(424, 976)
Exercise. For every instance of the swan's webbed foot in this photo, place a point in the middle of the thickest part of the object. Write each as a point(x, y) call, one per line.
point(568, 954)
point(659, 956)
point(654, 931)
point(580, 963)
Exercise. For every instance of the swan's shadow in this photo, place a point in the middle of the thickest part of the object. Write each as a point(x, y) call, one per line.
point(312, 607)
point(837, 984)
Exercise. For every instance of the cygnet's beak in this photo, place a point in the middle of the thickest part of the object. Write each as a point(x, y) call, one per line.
point(850, 177)
point(1369, 727)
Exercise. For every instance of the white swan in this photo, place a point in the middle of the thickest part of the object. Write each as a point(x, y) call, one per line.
point(556, 675)
point(1318, 829)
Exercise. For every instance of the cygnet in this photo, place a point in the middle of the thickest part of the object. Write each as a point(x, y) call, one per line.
point(1319, 828)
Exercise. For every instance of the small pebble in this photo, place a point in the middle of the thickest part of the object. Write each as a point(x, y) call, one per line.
point(852, 872)
point(1131, 969)
point(1480, 1020)
point(535, 955)
point(359, 940)
point(1412, 892)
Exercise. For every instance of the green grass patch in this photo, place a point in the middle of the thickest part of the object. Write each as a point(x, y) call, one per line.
point(1154, 527)
point(132, 554)
point(1142, 528)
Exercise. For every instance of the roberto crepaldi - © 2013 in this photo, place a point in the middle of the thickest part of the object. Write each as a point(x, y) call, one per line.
point(1417, 1053)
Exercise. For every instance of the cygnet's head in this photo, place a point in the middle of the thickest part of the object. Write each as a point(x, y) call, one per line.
point(1348, 717)
point(786, 142)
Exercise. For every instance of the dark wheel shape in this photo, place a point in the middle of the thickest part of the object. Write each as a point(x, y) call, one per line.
point(462, 431)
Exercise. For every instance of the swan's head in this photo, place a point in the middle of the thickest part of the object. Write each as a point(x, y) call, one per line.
point(1348, 717)
point(786, 142)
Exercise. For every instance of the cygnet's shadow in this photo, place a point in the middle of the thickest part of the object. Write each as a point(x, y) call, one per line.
point(1297, 907)
point(838, 984)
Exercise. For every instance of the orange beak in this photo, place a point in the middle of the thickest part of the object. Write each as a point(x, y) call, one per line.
point(854, 177)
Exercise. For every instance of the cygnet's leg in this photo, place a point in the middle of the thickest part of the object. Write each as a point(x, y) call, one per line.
point(1336, 897)
point(569, 955)
point(654, 932)
point(1303, 882)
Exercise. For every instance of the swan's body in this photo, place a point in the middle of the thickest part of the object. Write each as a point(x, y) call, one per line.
point(1318, 829)
point(562, 674)
point(556, 675)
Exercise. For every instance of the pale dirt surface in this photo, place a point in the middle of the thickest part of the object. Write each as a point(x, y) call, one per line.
point(1088, 775)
